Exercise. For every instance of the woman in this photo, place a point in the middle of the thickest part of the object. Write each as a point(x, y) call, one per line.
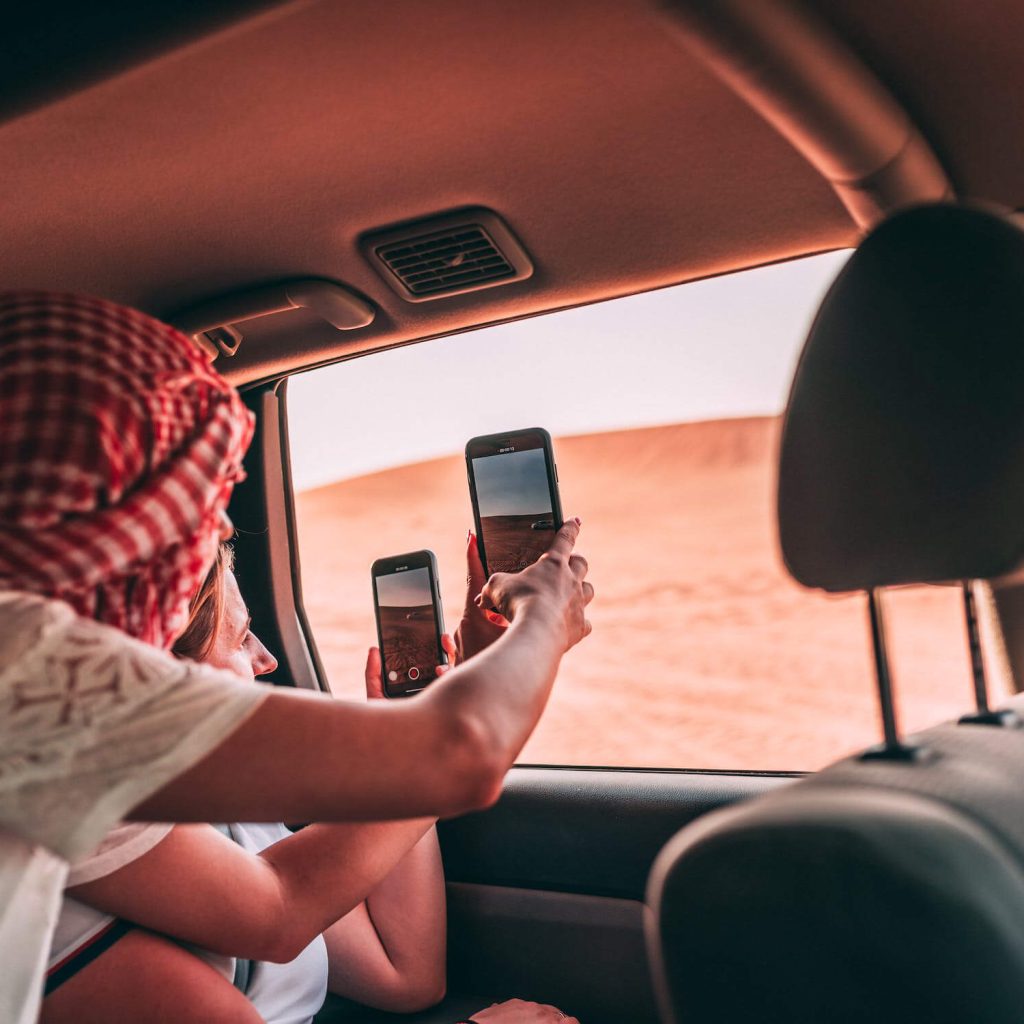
point(386, 950)
point(119, 448)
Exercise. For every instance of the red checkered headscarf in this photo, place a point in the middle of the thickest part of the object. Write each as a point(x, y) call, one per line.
point(119, 447)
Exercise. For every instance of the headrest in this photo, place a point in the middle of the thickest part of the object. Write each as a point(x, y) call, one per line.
point(903, 445)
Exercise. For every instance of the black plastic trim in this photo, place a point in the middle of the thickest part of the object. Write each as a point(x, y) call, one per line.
point(264, 541)
point(588, 831)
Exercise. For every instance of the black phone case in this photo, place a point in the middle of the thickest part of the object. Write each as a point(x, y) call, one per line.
point(429, 561)
point(549, 464)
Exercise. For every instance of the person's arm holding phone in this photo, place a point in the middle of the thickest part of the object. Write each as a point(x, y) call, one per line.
point(442, 754)
point(545, 606)
point(198, 886)
point(333, 877)
point(302, 885)
point(389, 952)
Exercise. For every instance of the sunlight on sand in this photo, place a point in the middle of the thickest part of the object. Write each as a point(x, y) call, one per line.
point(704, 653)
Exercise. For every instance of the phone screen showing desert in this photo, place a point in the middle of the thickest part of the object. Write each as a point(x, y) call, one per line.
point(408, 629)
point(516, 519)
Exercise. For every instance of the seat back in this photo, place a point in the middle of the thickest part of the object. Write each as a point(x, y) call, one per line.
point(885, 888)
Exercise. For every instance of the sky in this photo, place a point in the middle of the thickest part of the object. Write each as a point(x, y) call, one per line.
point(723, 347)
point(514, 484)
point(404, 589)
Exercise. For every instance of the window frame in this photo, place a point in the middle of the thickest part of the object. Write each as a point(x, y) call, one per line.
point(263, 512)
point(298, 641)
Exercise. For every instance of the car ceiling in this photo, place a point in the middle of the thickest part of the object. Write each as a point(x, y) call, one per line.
point(258, 146)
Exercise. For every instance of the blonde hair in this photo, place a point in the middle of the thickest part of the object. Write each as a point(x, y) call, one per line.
point(206, 610)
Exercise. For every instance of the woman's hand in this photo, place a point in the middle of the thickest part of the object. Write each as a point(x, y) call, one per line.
point(554, 583)
point(375, 671)
point(521, 1011)
point(476, 630)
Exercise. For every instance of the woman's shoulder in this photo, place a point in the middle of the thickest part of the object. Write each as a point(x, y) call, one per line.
point(49, 655)
point(21, 603)
point(26, 620)
point(37, 631)
point(92, 721)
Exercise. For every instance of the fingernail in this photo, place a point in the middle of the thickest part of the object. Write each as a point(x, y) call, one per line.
point(579, 522)
point(478, 600)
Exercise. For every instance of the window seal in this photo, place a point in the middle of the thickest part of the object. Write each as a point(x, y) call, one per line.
point(274, 540)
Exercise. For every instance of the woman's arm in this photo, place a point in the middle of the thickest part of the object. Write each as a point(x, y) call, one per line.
point(308, 757)
point(148, 978)
point(276, 902)
point(390, 951)
point(198, 886)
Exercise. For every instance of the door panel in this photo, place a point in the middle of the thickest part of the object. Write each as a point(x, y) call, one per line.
point(545, 889)
point(594, 831)
point(582, 953)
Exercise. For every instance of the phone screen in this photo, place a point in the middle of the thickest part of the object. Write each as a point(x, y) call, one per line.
point(409, 629)
point(517, 517)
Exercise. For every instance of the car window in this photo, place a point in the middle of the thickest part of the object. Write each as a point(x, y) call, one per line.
point(665, 412)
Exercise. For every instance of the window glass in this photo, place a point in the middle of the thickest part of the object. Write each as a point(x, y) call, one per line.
point(665, 412)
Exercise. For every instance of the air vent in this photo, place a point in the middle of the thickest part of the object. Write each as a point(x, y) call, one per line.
point(447, 261)
point(448, 255)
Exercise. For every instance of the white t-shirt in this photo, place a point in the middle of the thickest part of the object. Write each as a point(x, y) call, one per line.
point(77, 923)
point(288, 993)
point(91, 723)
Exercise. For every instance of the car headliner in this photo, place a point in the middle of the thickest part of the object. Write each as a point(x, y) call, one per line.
point(261, 150)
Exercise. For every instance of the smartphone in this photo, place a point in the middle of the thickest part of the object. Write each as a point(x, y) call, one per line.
point(513, 484)
point(407, 604)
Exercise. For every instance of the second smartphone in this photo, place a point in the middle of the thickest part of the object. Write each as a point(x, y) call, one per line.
point(513, 484)
point(407, 603)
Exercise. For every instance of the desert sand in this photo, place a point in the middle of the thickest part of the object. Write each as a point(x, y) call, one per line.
point(704, 653)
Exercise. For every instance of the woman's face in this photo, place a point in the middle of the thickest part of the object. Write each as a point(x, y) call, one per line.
point(235, 647)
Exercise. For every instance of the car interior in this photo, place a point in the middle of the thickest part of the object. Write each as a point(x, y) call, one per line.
point(307, 183)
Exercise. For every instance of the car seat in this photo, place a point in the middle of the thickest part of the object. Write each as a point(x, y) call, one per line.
point(890, 886)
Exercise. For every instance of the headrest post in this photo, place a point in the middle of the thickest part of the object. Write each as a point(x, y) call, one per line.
point(882, 674)
point(984, 715)
point(892, 747)
point(974, 647)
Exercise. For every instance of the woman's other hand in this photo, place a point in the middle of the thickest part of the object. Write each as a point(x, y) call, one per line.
point(521, 1011)
point(375, 671)
point(476, 630)
point(555, 584)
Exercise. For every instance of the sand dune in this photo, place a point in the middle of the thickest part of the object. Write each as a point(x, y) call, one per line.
point(704, 653)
